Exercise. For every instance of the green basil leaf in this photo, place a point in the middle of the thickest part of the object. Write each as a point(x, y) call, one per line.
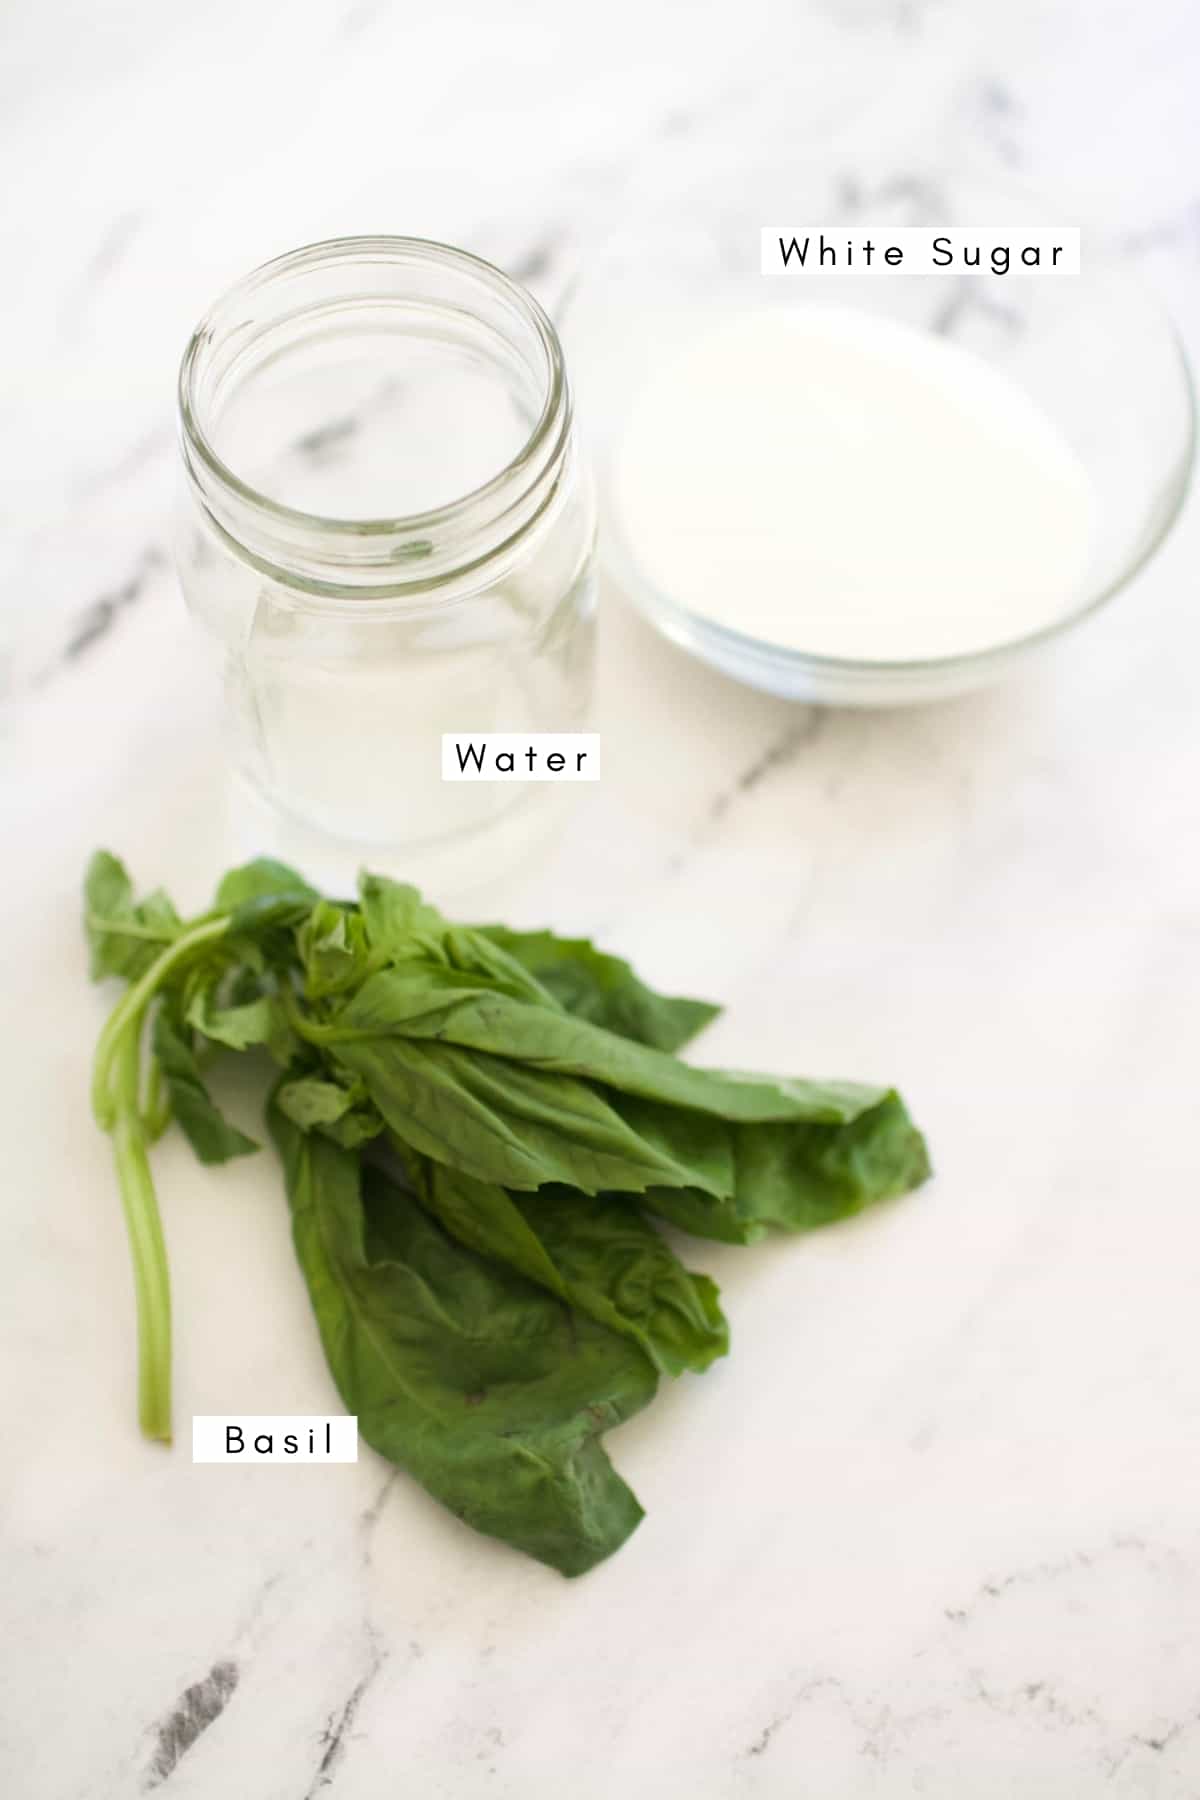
point(421, 1004)
point(597, 1253)
point(798, 1176)
point(266, 921)
point(489, 1392)
point(355, 1128)
point(123, 938)
point(107, 889)
point(309, 1101)
point(344, 1114)
point(702, 1215)
point(486, 1219)
point(617, 1269)
point(333, 948)
point(236, 1027)
point(472, 954)
point(804, 1175)
point(603, 989)
point(233, 1001)
point(264, 878)
point(393, 913)
point(210, 1134)
point(502, 1122)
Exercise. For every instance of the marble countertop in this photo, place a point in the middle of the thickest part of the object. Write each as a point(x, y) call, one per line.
point(934, 1528)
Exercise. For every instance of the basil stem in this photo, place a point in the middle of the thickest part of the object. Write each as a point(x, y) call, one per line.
point(147, 1249)
point(130, 1010)
point(117, 1103)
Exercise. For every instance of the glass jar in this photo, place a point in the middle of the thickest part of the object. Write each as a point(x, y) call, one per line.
point(387, 531)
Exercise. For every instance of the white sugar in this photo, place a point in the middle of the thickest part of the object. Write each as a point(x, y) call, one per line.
point(836, 483)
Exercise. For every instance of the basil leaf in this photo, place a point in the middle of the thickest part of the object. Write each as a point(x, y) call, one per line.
point(210, 1134)
point(263, 878)
point(490, 1393)
point(618, 1270)
point(803, 1175)
point(355, 1128)
point(233, 1000)
point(393, 912)
point(702, 1215)
point(418, 1003)
point(404, 928)
point(343, 1114)
point(602, 989)
point(265, 920)
point(123, 938)
point(471, 954)
point(505, 1123)
point(597, 1253)
point(236, 1027)
point(333, 948)
point(309, 1101)
point(486, 1219)
point(797, 1176)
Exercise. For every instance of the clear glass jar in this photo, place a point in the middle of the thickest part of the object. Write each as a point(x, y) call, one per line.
point(387, 531)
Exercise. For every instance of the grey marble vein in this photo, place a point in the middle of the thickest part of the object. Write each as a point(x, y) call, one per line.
point(198, 1707)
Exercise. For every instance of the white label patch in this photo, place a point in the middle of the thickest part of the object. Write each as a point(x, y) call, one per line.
point(919, 250)
point(520, 756)
point(274, 1438)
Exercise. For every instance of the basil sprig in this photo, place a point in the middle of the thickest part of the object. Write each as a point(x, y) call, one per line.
point(477, 1128)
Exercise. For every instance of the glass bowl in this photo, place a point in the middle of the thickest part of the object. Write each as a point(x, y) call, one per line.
point(1096, 353)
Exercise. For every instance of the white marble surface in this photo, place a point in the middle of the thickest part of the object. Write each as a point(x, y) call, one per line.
point(934, 1529)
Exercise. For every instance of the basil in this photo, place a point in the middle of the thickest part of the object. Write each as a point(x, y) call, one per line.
point(477, 1129)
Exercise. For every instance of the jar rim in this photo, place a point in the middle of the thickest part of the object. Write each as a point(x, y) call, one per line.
point(553, 418)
